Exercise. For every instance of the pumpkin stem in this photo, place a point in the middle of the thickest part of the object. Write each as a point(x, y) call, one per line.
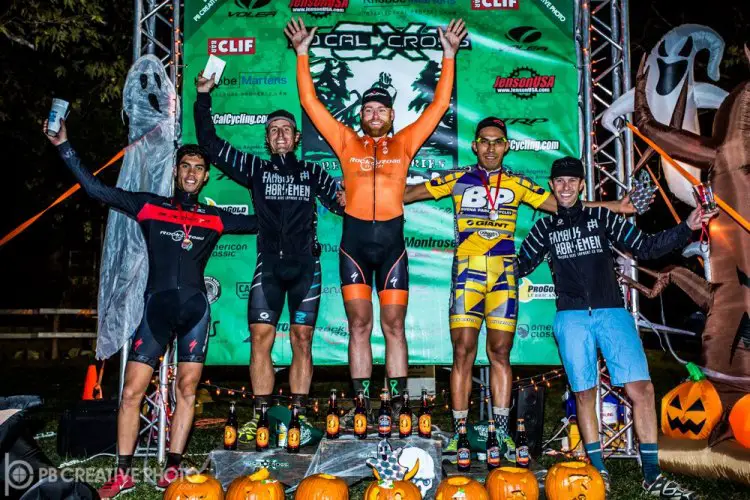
point(696, 374)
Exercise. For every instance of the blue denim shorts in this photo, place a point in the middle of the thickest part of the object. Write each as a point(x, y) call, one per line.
point(580, 333)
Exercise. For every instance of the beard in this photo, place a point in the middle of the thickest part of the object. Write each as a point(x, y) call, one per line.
point(380, 131)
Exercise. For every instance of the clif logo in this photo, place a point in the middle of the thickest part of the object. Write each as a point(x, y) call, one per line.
point(231, 46)
point(524, 83)
point(319, 8)
point(494, 4)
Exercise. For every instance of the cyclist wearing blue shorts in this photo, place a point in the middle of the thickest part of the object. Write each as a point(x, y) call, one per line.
point(590, 310)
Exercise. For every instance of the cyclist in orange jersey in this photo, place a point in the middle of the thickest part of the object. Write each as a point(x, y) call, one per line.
point(375, 167)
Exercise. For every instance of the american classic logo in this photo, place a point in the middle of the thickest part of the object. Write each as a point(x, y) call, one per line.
point(231, 46)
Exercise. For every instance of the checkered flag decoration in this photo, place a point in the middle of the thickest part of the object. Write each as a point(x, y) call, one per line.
point(386, 466)
point(642, 193)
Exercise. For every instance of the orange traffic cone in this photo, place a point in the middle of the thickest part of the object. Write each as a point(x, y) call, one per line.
point(89, 383)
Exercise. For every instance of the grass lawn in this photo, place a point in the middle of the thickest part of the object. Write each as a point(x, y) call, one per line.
point(60, 382)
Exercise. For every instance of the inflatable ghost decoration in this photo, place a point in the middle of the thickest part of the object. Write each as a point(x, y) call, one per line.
point(150, 101)
point(726, 157)
point(671, 65)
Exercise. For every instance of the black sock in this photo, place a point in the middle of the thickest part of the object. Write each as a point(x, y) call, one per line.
point(125, 463)
point(259, 400)
point(397, 386)
point(362, 384)
point(300, 400)
point(173, 460)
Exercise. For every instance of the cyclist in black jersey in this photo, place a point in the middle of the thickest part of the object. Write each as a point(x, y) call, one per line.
point(283, 191)
point(180, 234)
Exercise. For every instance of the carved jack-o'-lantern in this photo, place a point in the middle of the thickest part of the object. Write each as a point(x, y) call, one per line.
point(692, 409)
point(739, 420)
point(460, 488)
point(256, 486)
point(512, 483)
point(322, 487)
point(195, 487)
point(574, 480)
point(392, 490)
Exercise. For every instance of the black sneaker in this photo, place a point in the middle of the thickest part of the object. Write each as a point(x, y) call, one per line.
point(668, 489)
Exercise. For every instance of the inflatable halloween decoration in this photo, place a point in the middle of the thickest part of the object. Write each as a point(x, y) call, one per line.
point(726, 157)
point(150, 102)
point(671, 66)
point(692, 409)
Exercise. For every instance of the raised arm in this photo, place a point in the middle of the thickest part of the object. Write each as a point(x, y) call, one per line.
point(238, 224)
point(326, 190)
point(333, 131)
point(533, 249)
point(625, 236)
point(239, 166)
point(126, 201)
point(422, 128)
point(417, 192)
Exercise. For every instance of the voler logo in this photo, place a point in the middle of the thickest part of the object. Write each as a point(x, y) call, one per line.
point(250, 9)
point(524, 83)
point(528, 291)
point(213, 288)
point(364, 42)
point(319, 8)
point(525, 38)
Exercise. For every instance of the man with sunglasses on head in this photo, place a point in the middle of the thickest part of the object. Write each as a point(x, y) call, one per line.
point(284, 190)
point(486, 197)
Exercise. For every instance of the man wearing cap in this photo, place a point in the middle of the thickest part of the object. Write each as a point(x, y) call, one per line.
point(591, 313)
point(375, 166)
point(283, 191)
point(486, 197)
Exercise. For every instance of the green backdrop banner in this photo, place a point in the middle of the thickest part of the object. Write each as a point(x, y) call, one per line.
point(518, 63)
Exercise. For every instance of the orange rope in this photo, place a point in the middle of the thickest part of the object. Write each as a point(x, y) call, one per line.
point(21, 228)
point(721, 203)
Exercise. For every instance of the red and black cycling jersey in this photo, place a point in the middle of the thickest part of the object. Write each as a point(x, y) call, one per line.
point(164, 222)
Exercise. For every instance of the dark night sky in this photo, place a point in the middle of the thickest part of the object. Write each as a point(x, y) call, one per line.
point(35, 270)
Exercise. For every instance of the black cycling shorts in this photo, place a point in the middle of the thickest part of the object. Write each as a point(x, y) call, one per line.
point(183, 313)
point(374, 248)
point(297, 278)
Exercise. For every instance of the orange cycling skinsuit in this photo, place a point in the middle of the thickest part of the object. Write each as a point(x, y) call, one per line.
point(375, 178)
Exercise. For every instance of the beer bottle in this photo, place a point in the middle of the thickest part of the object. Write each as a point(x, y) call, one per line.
point(463, 452)
point(384, 416)
point(360, 417)
point(404, 418)
point(262, 434)
point(332, 419)
point(293, 433)
point(493, 447)
point(522, 446)
point(425, 419)
point(230, 430)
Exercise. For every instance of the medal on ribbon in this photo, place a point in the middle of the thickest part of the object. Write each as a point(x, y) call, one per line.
point(486, 183)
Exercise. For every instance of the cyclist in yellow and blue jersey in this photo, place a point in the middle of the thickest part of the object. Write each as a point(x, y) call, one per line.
point(485, 199)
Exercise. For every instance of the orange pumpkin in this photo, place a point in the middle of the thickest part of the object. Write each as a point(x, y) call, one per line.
point(574, 481)
point(460, 488)
point(739, 420)
point(195, 487)
point(392, 490)
point(322, 487)
point(692, 409)
point(512, 483)
point(256, 486)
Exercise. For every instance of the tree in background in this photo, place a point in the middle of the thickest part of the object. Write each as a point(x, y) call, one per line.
point(78, 50)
